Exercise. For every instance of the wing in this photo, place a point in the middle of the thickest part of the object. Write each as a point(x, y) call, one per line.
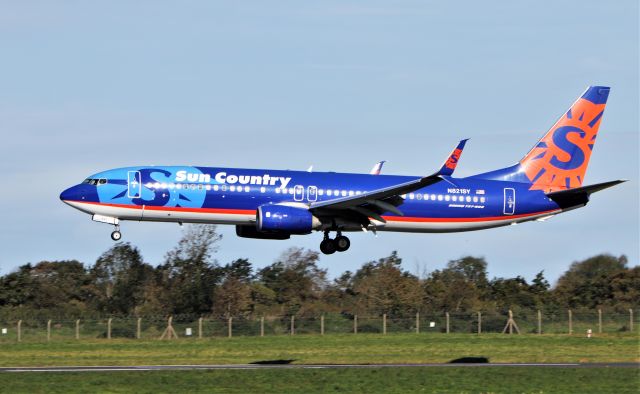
point(373, 203)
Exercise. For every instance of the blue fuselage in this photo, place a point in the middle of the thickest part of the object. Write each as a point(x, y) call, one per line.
point(232, 196)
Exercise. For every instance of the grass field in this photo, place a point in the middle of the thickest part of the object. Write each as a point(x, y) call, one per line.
point(393, 380)
point(330, 349)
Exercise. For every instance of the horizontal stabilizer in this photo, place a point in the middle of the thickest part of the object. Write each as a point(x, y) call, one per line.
point(580, 195)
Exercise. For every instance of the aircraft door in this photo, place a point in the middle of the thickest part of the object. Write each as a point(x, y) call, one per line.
point(312, 193)
point(134, 182)
point(509, 201)
point(298, 193)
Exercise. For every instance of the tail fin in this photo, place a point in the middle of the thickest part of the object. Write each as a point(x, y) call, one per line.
point(560, 159)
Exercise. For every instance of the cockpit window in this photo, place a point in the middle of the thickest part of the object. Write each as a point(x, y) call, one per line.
point(95, 182)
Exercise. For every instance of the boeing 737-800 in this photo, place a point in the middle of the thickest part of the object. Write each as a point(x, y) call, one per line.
point(274, 204)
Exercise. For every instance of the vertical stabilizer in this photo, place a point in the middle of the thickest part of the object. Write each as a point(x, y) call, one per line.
point(560, 159)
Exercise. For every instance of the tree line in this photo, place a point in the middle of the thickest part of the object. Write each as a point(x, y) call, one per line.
point(191, 282)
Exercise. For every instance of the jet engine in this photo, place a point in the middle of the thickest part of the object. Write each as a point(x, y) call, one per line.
point(286, 219)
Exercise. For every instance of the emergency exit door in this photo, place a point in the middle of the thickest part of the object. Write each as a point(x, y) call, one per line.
point(134, 182)
point(509, 201)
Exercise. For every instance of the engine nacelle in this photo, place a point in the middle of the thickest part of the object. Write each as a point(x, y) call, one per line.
point(252, 232)
point(284, 218)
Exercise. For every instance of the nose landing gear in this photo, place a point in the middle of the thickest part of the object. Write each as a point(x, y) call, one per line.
point(330, 246)
point(116, 235)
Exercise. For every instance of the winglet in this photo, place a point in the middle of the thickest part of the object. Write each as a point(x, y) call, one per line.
point(452, 161)
point(377, 168)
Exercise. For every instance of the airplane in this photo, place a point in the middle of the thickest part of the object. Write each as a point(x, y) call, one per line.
point(276, 204)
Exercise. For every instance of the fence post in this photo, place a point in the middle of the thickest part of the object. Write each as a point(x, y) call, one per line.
point(200, 327)
point(599, 321)
point(446, 314)
point(229, 327)
point(48, 330)
point(384, 324)
point(417, 322)
point(510, 319)
point(109, 328)
point(355, 324)
point(19, 330)
point(78, 329)
point(169, 332)
point(539, 322)
point(293, 325)
point(262, 326)
point(630, 319)
point(139, 328)
point(570, 322)
point(479, 322)
point(322, 324)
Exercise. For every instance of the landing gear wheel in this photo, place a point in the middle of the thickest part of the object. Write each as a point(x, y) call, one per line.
point(328, 246)
point(342, 243)
point(116, 235)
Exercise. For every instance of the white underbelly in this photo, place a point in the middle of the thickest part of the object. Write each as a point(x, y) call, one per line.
point(420, 225)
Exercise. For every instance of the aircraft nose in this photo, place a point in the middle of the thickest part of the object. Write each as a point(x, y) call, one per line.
point(70, 194)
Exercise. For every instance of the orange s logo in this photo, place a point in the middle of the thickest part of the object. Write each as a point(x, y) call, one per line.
point(560, 159)
point(453, 159)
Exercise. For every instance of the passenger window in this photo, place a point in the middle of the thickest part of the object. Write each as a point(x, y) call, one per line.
point(103, 181)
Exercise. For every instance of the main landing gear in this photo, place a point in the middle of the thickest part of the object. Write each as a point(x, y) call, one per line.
point(330, 246)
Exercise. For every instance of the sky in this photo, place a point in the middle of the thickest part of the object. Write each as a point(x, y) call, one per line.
point(340, 85)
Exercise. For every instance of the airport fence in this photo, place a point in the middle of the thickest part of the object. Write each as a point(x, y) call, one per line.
point(531, 322)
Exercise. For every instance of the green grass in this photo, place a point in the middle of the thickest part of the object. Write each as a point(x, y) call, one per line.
point(393, 380)
point(330, 349)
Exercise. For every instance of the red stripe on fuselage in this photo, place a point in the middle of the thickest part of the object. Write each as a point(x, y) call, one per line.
point(387, 218)
point(459, 220)
point(176, 209)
